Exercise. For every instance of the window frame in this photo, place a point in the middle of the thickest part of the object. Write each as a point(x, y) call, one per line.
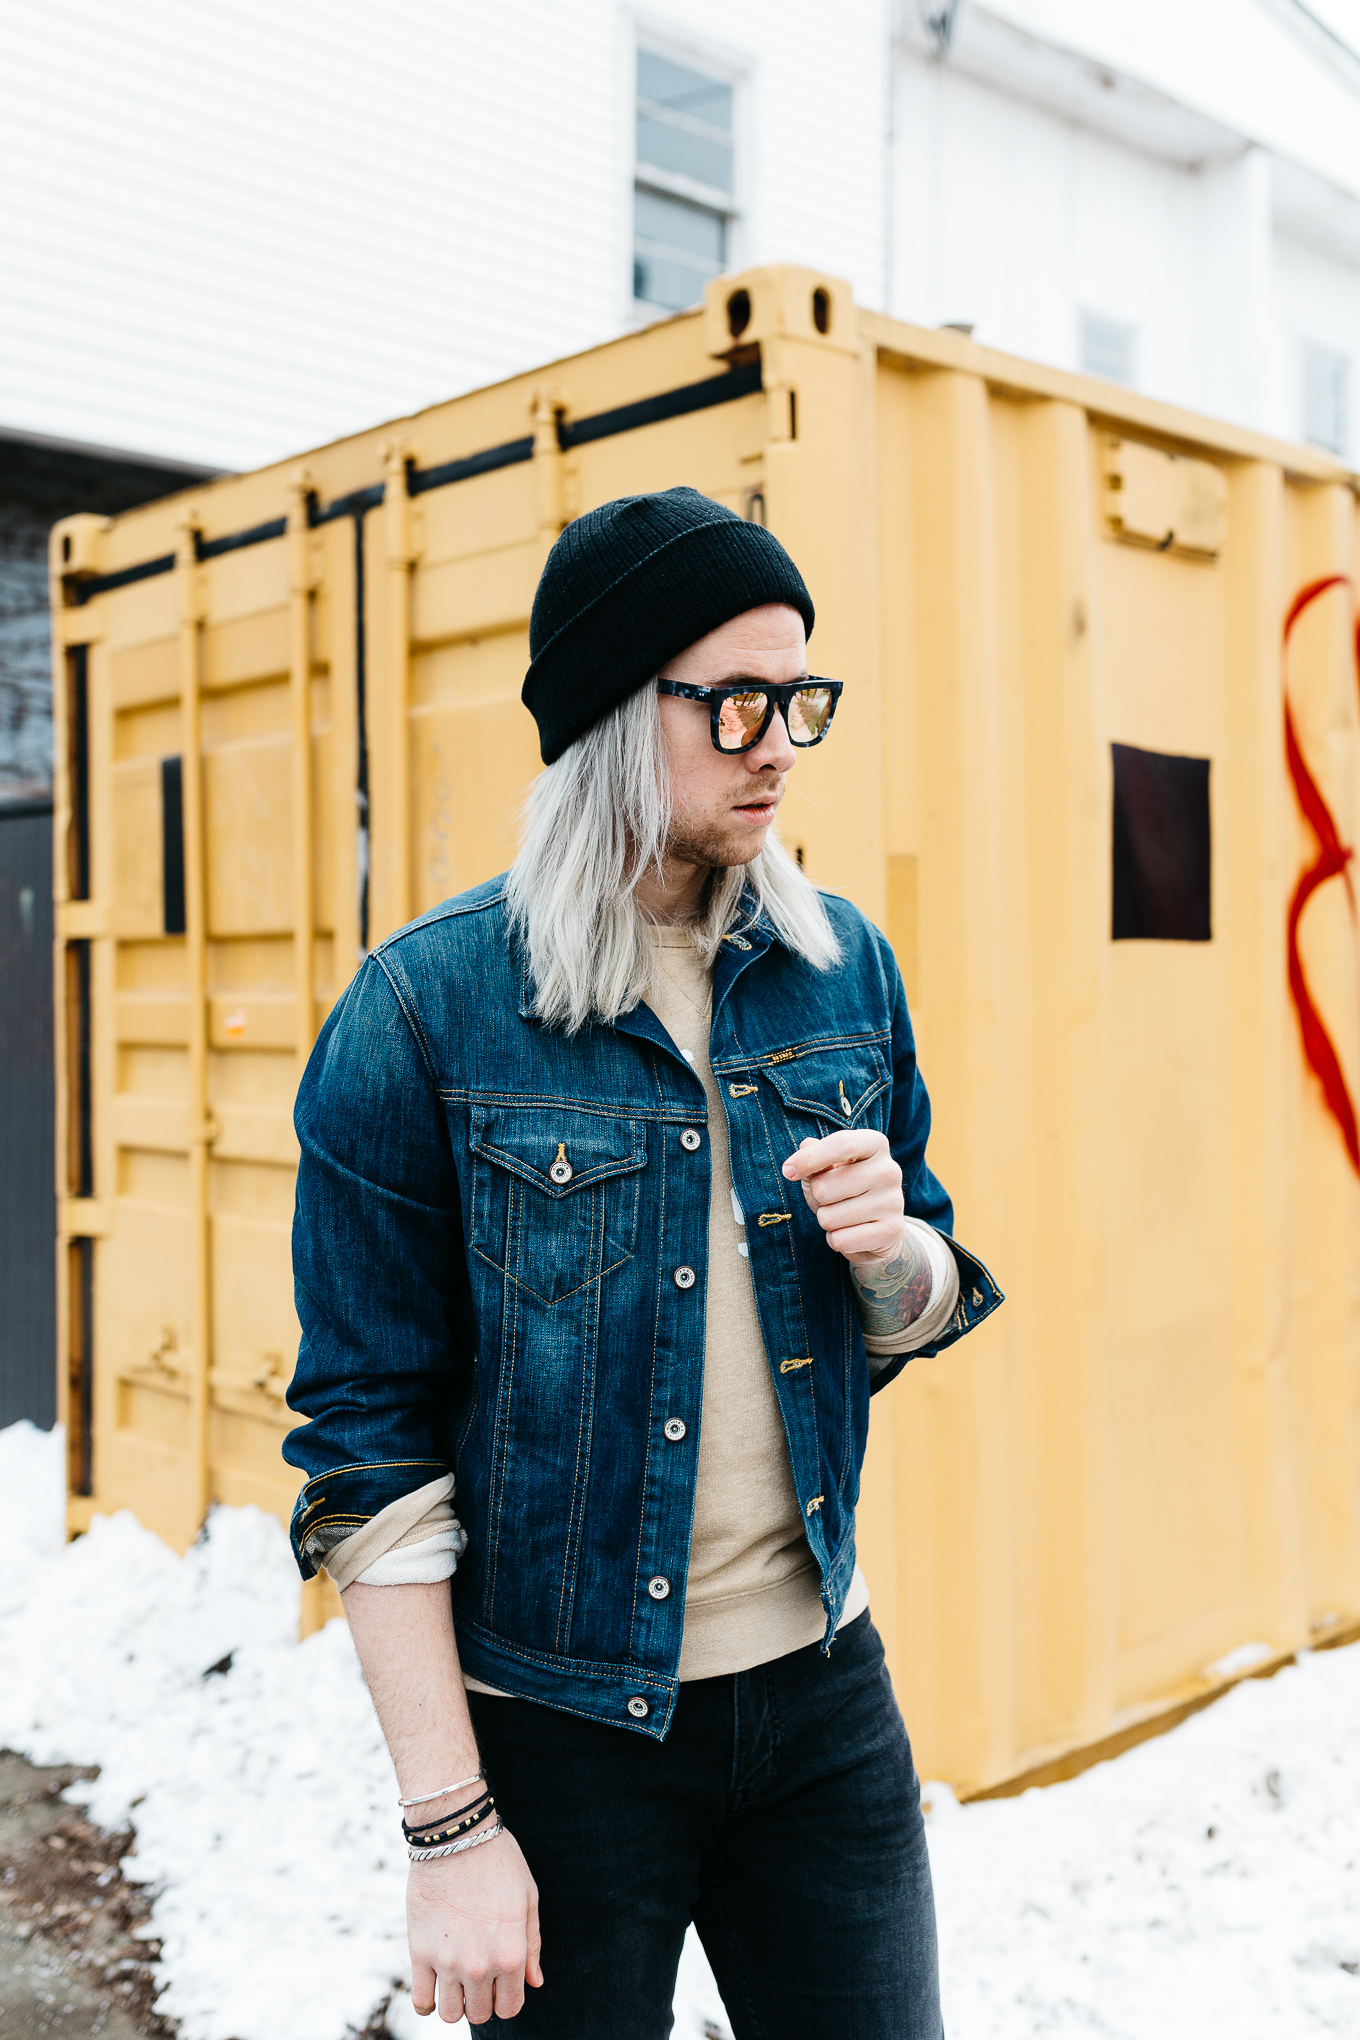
point(1093, 324)
point(725, 67)
point(1313, 354)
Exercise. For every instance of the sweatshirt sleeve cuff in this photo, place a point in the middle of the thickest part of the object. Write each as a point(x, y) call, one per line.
point(420, 1517)
point(944, 1295)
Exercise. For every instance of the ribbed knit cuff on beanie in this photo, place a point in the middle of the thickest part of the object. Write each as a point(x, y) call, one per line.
point(628, 586)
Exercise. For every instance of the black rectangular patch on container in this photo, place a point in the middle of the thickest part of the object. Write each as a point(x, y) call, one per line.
point(79, 1073)
point(78, 771)
point(172, 845)
point(1162, 848)
point(80, 1367)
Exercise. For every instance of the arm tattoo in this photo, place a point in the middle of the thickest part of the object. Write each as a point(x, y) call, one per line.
point(892, 1294)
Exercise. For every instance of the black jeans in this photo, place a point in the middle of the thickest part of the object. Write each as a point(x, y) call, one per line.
point(782, 1815)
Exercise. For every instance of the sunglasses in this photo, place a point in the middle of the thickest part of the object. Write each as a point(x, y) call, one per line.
point(740, 716)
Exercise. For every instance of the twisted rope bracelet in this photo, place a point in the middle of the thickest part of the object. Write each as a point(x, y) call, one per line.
point(471, 1841)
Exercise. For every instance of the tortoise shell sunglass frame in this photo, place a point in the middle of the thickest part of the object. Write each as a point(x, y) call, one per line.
point(751, 722)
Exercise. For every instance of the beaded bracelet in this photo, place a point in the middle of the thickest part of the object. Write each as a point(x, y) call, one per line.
point(471, 1841)
point(434, 1820)
point(447, 1831)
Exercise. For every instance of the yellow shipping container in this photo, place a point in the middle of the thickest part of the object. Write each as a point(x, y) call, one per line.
point(291, 706)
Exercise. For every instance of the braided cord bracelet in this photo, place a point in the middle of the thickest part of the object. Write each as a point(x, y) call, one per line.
point(431, 1831)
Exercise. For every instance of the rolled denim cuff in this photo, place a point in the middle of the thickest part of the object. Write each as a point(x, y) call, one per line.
point(335, 1505)
point(978, 1297)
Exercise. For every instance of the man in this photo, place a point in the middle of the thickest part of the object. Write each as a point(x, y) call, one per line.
point(613, 1204)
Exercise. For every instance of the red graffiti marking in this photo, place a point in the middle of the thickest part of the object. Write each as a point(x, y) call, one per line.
point(1332, 861)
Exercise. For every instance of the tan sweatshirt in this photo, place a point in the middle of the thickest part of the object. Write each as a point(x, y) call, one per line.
point(754, 1591)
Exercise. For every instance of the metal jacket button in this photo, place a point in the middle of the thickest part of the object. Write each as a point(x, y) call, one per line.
point(638, 1708)
point(561, 1170)
point(658, 1588)
point(684, 1278)
point(675, 1428)
point(689, 1140)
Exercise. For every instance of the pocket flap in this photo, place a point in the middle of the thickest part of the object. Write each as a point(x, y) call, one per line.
point(558, 1151)
point(836, 1085)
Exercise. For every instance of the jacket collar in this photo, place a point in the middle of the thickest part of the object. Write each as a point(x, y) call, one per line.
point(749, 938)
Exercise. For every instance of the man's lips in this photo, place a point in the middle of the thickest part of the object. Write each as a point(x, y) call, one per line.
point(760, 806)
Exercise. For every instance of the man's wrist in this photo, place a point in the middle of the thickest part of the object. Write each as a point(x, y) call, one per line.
point(868, 1262)
point(890, 1294)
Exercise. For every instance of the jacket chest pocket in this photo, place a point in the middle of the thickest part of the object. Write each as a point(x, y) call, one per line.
point(554, 1194)
point(835, 1087)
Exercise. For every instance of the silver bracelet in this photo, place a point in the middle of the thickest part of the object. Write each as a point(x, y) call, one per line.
point(472, 1841)
point(444, 1790)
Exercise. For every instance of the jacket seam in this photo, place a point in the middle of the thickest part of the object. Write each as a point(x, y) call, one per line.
point(797, 1283)
point(450, 910)
point(584, 1428)
point(450, 1094)
point(585, 1668)
point(411, 1017)
point(505, 1390)
point(817, 1045)
point(364, 1466)
point(551, 1302)
point(651, 1383)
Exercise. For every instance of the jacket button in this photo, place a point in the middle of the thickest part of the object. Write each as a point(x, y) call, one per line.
point(561, 1170)
point(638, 1708)
point(675, 1428)
point(689, 1140)
point(684, 1278)
point(658, 1588)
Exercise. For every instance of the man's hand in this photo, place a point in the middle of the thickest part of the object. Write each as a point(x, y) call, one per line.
point(472, 1921)
point(472, 1918)
point(855, 1187)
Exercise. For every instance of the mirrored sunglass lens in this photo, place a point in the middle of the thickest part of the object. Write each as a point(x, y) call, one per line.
point(739, 718)
point(809, 714)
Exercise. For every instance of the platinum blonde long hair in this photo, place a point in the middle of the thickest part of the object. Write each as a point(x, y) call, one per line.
point(595, 821)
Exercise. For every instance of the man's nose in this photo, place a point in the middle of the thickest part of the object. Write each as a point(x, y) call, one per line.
point(774, 752)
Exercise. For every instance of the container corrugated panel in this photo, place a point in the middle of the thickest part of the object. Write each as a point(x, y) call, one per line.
point(1058, 780)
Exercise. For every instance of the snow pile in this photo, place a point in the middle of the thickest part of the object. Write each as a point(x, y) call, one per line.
point(250, 1765)
point(1205, 1883)
point(261, 1794)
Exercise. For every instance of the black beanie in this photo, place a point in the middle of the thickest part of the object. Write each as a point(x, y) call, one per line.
point(628, 586)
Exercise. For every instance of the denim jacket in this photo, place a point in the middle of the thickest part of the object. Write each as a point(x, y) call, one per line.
point(499, 1250)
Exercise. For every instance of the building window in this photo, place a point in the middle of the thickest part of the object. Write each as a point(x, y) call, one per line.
point(1107, 347)
point(683, 188)
point(1326, 389)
